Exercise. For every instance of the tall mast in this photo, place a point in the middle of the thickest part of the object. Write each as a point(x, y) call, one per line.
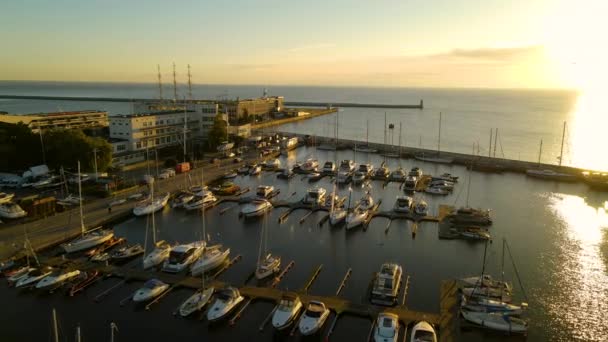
point(153, 222)
point(495, 141)
point(468, 188)
point(399, 143)
point(540, 151)
point(367, 134)
point(561, 152)
point(174, 85)
point(261, 242)
point(80, 201)
point(189, 84)
point(185, 129)
point(55, 328)
point(78, 339)
point(160, 84)
point(439, 136)
point(490, 148)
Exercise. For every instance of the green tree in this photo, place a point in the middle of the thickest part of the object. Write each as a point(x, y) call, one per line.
point(218, 132)
point(66, 147)
point(19, 147)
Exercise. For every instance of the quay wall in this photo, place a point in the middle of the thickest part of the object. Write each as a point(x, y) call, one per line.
point(313, 113)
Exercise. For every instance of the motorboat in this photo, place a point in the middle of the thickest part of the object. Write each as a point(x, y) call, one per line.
point(347, 165)
point(385, 290)
point(45, 182)
point(227, 189)
point(5, 198)
point(226, 300)
point(403, 204)
point(268, 266)
point(257, 207)
point(446, 177)
point(286, 174)
point(313, 318)
point(243, 170)
point(271, 164)
point(343, 177)
point(411, 182)
point(212, 257)
point(151, 289)
point(230, 175)
point(475, 233)
point(436, 190)
point(127, 252)
point(182, 199)
point(387, 328)
point(286, 312)
point(314, 176)
point(196, 302)
point(152, 205)
point(423, 332)
point(158, 255)
point(201, 200)
point(336, 216)
point(359, 177)
point(415, 172)
point(33, 277)
point(398, 175)
point(366, 168)
point(315, 196)
point(181, 256)
point(11, 210)
point(421, 207)
point(442, 184)
point(289, 144)
point(255, 170)
point(482, 304)
point(496, 321)
point(88, 239)
point(382, 173)
point(69, 200)
point(310, 165)
point(367, 202)
point(551, 175)
point(356, 218)
point(195, 189)
point(329, 167)
point(57, 278)
point(104, 246)
point(264, 191)
point(18, 274)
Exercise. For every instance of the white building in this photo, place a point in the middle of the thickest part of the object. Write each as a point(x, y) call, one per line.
point(131, 135)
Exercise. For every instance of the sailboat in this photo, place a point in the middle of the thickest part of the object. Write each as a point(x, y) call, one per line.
point(90, 238)
point(336, 214)
point(436, 158)
point(267, 263)
point(551, 174)
point(162, 248)
point(366, 148)
point(197, 300)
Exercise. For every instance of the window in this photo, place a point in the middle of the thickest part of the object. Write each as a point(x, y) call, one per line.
point(121, 148)
point(138, 145)
point(157, 141)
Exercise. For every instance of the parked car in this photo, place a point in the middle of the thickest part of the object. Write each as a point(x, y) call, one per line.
point(170, 172)
point(237, 160)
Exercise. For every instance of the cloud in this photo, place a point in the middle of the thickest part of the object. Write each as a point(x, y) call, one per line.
point(494, 54)
point(311, 47)
point(253, 67)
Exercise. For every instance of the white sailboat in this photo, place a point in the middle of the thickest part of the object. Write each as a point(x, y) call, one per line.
point(152, 205)
point(496, 321)
point(90, 238)
point(366, 148)
point(212, 257)
point(161, 250)
point(268, 264)
point(336, 215)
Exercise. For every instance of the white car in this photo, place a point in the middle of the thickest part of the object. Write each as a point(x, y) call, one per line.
point(164, 175)
point(169, 171)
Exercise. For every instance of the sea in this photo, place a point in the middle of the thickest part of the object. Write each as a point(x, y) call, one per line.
point(557, 233)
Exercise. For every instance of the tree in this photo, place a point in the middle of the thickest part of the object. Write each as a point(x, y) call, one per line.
point(66, 147)
point(218, 132)
point(19, 147)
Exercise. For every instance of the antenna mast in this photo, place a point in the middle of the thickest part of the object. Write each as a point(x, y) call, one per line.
point(174, 85)
point(189, 83)
point(160, 84)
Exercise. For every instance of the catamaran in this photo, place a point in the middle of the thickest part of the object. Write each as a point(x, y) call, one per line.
point(90, 238)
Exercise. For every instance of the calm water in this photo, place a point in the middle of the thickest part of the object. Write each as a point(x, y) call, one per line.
point(557, 234)
point(523, 117)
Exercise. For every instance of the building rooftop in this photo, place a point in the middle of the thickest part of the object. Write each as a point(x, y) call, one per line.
point(138, 115)
point(28, 118)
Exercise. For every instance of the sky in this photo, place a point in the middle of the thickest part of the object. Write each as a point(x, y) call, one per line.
point(406, 43)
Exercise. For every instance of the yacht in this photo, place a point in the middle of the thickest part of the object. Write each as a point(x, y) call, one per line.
point(151, 289)
point(255, 170)
point(11, 210)
point(398, 175)
point(415, 172)
point(289, 144)
point(287, 311)
point(182, 199)
point(286, 174)
point(367, 202)
point(271, 164)
point(18, 274)
point(410, 183)
point(367, 169)
point(551, 175)
point(33, 277)
point(202, 200)
point(423, 332)
point(403, 204)
point(446, 177)
point(125, 253)
point(264, 191)
point(347, 165)
point(315, 196)
point(329, 167)
point(359, 177)
point(475, 233)
point(158, 256)
point(225, 301)
point(69, 200)
point(5, 198)
point(329, 199)
point(387, 328)
point(436, 190)
point(196, 302)
point(343, 177)
point(182, 256)
point(212, 257)
point(421, 207)
point(88, 239)
point(442, 184)
point(57, 278)
point(496, 321)
point(356, 218)
point(313, 318)
point(268, 266)
point(310, 165)
point(382, 173)
point(385, 290)
point(257, 207)
point(151, 206)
